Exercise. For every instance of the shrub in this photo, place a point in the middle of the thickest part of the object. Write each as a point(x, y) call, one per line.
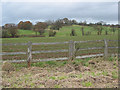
point(7, 67)
point(5, 34)
point(12, 29)
point(52, 33)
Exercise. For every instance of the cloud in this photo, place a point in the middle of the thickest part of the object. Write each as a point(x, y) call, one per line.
point(13, 12)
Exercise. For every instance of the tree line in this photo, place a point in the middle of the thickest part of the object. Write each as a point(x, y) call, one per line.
point(11, 30)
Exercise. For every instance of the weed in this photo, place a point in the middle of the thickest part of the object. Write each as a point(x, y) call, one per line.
point(111, 58)
point(52, 77)
point(15, 85)
point(114, 75)
point(32, 85)
point(39, 64)
point(62, 77)
point(79, 76)
point(57, 86)
point(87, 84)
point(51, 63)
point(105, 73)
point(93, 74)
point(114, 67)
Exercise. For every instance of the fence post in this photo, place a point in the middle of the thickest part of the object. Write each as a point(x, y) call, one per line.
point(71, 50)
point(106, 49)
point(29, 54)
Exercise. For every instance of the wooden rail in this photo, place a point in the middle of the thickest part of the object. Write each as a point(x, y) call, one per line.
point(52, 51)
point(55, 59)
point(71, 50)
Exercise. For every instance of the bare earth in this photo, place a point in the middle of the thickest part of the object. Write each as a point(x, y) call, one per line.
point(98, 74)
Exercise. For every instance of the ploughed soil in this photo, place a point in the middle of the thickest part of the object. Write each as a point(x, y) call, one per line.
point(97, 73)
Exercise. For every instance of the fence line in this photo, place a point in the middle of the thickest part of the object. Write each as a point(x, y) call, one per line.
point(55, 59)
point(52, 43)
point(52, 51)
point(71, 50)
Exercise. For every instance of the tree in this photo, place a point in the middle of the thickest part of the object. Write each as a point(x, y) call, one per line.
point(57, 25)
point(74, 22)
point(20, 25)
point(52, 33)
point(113, 28)
point(101, 23)
point(40, 27)
point(98, 28)
point(35, 29)
point(27, 25)
point(12, 29)
point(5, 33)
point(72, 33)
point(65, 21)
point(49, 22)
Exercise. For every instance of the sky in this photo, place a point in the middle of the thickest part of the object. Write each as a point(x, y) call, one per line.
point(14, 12)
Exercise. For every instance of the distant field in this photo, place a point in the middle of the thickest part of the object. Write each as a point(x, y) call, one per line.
point(58, 39)
point(66, 30)
point(26, 32)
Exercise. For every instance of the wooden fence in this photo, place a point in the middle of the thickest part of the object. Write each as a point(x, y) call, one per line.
point(71, 50)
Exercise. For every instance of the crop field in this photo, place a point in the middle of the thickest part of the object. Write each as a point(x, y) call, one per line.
point(80, 73)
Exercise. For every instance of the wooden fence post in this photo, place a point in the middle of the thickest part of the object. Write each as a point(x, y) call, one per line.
point(71, 50)
point(29, 54)
point(106, 49)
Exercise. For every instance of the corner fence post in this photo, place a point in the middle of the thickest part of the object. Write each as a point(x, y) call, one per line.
point(29, 54)
point(106, 49)
point(71, 50)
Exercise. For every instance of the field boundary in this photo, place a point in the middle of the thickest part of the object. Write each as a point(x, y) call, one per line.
point(71, 50)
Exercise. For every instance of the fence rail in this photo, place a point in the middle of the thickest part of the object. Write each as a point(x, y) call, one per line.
point(51, 51)
point(71, 51)
point(52, 43)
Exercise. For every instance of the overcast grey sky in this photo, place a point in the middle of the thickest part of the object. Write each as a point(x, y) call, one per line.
point(13, 12)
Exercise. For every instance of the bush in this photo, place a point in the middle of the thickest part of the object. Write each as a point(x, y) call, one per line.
point(13, 31)
point(7, 67)
point(5, 34)
point(52, 33)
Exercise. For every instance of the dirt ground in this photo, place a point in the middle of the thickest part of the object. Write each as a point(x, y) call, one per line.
point(97, 74)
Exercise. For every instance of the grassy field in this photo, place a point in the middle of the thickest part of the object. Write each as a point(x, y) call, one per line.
point(87, 73)
point(66, 30)
point(26, 32)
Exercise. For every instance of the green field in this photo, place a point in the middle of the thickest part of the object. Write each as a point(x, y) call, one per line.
point(66, 30)
point(63, 35)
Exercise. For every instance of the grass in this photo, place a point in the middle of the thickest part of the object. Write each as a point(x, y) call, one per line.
point(105, 73)
point(52, 77)
point(56, 86)
point(58, 39)
point(66, 30)
point(87, 84)
point(41, 64)
point(62, 77)
point(26, 32)
point(114, 75)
